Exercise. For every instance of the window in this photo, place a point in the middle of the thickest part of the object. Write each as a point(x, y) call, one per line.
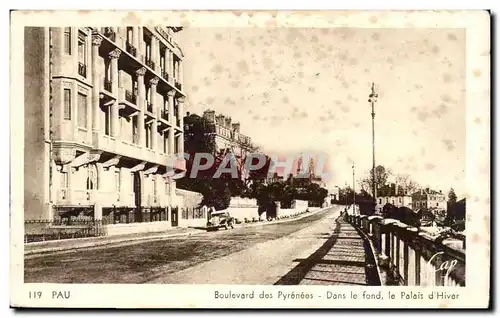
point(82, 110)
point(400, 200)
point(64, 180)
point(67, 104)
point(130, 32)
point(148, 51)
point(67, 40)
point(92, 176)
point(165, 143)
point(154, 187)
point(107, 120)
point(82, 48)
point(135, 136)
point(380, 201)
point(117, 181)
point(148, 136)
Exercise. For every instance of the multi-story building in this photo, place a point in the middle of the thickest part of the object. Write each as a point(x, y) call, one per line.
point(393, 194)
point(227, 135)
point(103, 111)
point(429, 199)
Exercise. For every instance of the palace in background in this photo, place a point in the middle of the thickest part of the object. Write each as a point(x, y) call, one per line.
point(104, 108)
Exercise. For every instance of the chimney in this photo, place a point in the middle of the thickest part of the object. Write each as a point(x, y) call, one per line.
point(220, 120)
point(236, 127)
point(228, 122)
point(209, 115)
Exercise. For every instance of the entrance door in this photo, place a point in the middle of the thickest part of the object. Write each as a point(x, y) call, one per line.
point(175, 217)
point(137, 195)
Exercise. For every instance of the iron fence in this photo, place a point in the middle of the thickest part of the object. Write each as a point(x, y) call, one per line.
point(64, 228)
point(193, 213)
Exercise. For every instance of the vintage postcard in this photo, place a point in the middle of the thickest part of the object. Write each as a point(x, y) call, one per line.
point(250, 159)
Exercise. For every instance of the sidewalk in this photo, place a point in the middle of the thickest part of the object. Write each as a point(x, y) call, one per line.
point(71, 244)
point(90, 242)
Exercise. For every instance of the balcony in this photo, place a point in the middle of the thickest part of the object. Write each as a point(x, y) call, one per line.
point(178, 85)
point(164, 115)
point(109, 33)
point(82, 69)
point(108, 85)
point(130, 97)
point(164, 74)
point(135, 139)
point(150, 63)
point(131, 49)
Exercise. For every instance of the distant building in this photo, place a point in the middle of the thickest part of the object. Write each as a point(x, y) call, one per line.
point(393, 194)
point(227, 135)
point(429, 199)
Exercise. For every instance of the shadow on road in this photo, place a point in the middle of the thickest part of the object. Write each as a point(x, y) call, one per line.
point(299, 272)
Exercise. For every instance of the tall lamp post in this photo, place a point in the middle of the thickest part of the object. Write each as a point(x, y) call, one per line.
point(353, 191)
point(346, 196)
point(372, 100)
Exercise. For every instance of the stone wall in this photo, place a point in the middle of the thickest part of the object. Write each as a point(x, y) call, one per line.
point(188, 199)
point(237, 202)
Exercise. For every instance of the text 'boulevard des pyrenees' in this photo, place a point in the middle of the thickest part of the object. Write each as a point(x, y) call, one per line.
point(245, 156)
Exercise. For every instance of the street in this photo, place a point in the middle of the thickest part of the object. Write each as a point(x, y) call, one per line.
point(262, 254)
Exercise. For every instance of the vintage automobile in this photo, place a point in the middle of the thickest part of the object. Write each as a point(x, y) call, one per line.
point(220, 219)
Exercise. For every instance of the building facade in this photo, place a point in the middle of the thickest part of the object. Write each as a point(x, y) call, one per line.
point(393, 194)
point(103, 111)
point(227, 135)
point(429, 199)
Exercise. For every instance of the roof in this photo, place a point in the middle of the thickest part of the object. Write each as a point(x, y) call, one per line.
point(389, 190)
point(428, 191)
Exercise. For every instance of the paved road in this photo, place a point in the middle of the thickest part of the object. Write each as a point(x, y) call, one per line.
point(264, 263)
point(251, 255)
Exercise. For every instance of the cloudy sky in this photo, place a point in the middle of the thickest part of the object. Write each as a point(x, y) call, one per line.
point(296, 90)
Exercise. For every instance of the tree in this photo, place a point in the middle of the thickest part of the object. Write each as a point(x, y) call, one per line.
point(452, 197)
point(381, 176)
point(405, 182)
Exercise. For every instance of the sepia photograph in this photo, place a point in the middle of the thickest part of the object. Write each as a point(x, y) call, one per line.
point(171, 152)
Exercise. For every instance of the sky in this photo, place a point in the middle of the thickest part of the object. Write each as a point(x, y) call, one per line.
point(306, 90)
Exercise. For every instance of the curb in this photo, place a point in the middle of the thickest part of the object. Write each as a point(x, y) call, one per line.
point(39, 252)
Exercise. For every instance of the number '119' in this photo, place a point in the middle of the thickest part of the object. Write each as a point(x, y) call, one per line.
point(35, 294)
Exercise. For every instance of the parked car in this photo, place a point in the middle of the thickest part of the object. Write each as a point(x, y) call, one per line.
point(220, 219)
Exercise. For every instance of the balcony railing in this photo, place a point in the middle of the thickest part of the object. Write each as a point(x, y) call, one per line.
point(164, 74)
point(131, 49)
point(130, 97)
point(164, 115)
point(82, 69)
point(178, 85)
point(108, 85)
point(110, 34)
point(135, 139)
point(150, 63)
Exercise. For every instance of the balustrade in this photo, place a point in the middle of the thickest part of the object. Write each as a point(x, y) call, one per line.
point(410, 256)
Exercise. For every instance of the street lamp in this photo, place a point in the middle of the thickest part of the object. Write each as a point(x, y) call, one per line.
point(353, 191)
point(346, 195)
point(372, 100)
